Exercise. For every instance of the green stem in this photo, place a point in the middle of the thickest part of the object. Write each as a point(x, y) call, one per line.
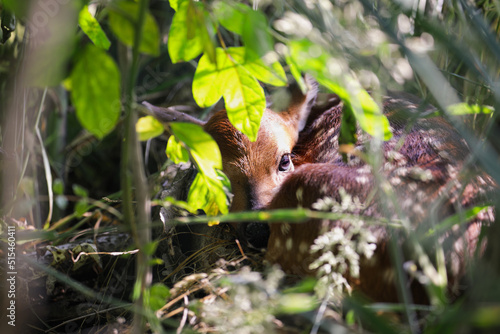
point(132, 173)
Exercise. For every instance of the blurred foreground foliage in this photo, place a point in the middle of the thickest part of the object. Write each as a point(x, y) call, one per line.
point(71, 77)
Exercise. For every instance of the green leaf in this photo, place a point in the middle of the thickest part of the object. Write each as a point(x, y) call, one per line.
point(312, 58)
point(202, 147)
point(80, 191)
point(174, 4)
point(92, 29)
point(175, 151)
point(180, 204)
point(150, 247)
point(58, 187)
point(124, 26)
point(208, 194)
point(207, 190)
point(244, 97)
point(158, 296)
point(209, 79)
point(190, 33)
point(148, 127)
point(95, 91)
point(294, 70)
point(293, 303)
point(459, 218)
point(81, 207)
point(232, 16)
point(256, 35)
point(272, 74)
point(460, 109)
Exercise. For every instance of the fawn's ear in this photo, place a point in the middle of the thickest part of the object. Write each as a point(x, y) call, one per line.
point(308, 101)
point(297, 105)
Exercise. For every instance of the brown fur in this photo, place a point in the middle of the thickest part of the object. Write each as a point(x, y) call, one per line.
point(420, 147)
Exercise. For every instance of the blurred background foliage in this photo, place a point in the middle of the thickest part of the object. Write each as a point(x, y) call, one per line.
point(445, 51)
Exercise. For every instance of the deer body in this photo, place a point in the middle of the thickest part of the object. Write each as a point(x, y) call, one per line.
point(295, 161)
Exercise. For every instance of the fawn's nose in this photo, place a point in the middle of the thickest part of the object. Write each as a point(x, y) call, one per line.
point(254, 235)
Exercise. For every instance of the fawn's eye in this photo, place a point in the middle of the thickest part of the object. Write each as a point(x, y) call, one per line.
point(285, 163)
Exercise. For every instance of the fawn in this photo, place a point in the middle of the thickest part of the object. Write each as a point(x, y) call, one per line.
point(296, 161)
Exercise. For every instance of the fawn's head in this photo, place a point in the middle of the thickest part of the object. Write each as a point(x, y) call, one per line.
point(256, 169)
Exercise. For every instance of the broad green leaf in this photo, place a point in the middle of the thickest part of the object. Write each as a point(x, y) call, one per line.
point(81, 207)
point(202, 147)
point(123, 24)
point(256, 35)
point(244, 99)
point(243, 96)
point(92, 29)
point(467, 109)
point(207, 190)
point(175, 151)
point(148, 127)
point(208, 194)
point(190, 33)
point(209, 78)
point(95, 91)
point(232, 16)
point(272, 74)
point(174, 4)
point(312, 58)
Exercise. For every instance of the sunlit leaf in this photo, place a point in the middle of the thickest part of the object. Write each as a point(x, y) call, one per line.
point(209, 79)
point(232, 16)
point(467, 109)
point(148, 127)
point(208, 194)
point(174, 4)
point(92, 29)
point(202, 146)
point(95, 91)
point(207, 190)
point(312, 58)
point(123, 24)
point(272, 74)
point(292, 303)
point(175, 151)
point(244, 97)
point(189, 33)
